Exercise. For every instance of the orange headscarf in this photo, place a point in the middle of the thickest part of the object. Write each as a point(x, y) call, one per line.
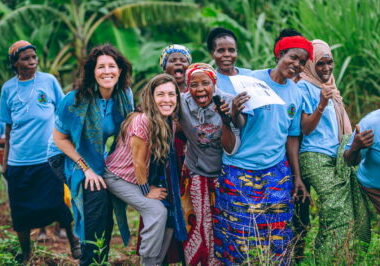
point(19, 46)
point(322, 49)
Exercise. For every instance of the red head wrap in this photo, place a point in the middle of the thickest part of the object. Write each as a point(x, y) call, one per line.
point(200, 67)
point(294, 42)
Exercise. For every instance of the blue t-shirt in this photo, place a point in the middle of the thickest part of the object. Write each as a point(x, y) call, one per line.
point(369, 167)
point(224, 83)
point(324, 138)
point(265, 133)
point(29, 106)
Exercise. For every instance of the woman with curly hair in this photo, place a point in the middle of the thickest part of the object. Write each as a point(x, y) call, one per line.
point(86, 118)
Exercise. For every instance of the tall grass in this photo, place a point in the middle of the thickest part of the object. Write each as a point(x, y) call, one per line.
point(352, 28)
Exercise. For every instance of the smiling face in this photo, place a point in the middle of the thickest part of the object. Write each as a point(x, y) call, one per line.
point(201, 88)
point(26, 63)
point(292, 63)
point(165, 97)
point(324, 68)
point(225, 54)
point(176, 66)
point(107, 72)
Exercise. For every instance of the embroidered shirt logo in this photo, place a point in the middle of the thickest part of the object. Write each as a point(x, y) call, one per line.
point(291, 110)
point(42, 97)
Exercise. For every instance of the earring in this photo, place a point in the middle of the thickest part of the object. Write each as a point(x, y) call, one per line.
point(96, 88)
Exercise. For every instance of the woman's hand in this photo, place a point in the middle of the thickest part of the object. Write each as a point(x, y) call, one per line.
point(362, 139)
point(300, 189)
point(325, 96)
point(157, 193)
point(237, 106)
point(93, 180)
point(224, 112)
point(238, 103)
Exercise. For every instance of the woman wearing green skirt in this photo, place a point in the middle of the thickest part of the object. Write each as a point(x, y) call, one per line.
point(343, 216)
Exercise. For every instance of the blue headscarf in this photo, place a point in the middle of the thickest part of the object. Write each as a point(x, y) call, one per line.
point(173, 48)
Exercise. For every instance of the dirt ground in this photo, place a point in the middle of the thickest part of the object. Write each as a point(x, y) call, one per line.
point(57, 250)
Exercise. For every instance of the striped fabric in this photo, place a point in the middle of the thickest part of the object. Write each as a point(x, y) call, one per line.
point(120, 161)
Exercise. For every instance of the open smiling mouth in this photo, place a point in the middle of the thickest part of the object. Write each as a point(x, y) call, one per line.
point(202, 98)
point(178, 73)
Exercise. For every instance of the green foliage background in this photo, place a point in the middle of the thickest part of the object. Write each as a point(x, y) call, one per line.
point(65, 30)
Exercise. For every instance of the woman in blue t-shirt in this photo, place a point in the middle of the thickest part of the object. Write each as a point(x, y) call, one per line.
point(324, 123)
point(254, 196)
point(363, 149)
point(222, 45)
point(28, 103)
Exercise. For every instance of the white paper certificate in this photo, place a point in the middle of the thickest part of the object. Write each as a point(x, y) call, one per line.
point(261, 94)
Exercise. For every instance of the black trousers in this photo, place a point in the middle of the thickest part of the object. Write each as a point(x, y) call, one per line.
point(98, 222)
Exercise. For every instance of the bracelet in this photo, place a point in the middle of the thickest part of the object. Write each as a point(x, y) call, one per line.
point(82, 164)
point(319, 110)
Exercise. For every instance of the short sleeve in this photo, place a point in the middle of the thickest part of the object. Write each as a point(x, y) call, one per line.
point(60, 123)
point(295, 126)
point(58, 93)
point(139, 127)
point(5, 112)
point(307, 106)
point(60, 126)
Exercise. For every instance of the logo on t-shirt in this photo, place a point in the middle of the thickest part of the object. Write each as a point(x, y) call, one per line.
point(42, 97)
point(291, 110)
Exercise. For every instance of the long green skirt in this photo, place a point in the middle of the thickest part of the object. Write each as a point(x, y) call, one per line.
point(343, 211)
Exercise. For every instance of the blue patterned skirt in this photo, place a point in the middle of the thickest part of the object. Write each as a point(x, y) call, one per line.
point(252, 216)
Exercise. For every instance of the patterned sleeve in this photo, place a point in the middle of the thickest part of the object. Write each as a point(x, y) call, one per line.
point(5, 112)
point(139, 127)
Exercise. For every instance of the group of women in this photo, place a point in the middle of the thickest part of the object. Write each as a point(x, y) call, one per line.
point(199, 166)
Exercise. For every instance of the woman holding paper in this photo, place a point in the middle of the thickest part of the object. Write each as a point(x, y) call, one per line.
point(324, 123)
point(222, 45)
point(254, 200)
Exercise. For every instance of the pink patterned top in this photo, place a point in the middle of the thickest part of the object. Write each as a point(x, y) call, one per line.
point(120, 161)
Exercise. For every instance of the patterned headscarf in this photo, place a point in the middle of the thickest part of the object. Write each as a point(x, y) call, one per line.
point(322, 49)
point(293, 42)
point(174, 48)
point(18, 47)
point(200, 67)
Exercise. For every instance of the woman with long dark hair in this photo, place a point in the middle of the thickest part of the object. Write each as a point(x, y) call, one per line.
point(87, 117)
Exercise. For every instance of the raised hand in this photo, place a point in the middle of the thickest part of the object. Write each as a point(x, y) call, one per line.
point(362, 139)
point(325, 96)
point(238, 103)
